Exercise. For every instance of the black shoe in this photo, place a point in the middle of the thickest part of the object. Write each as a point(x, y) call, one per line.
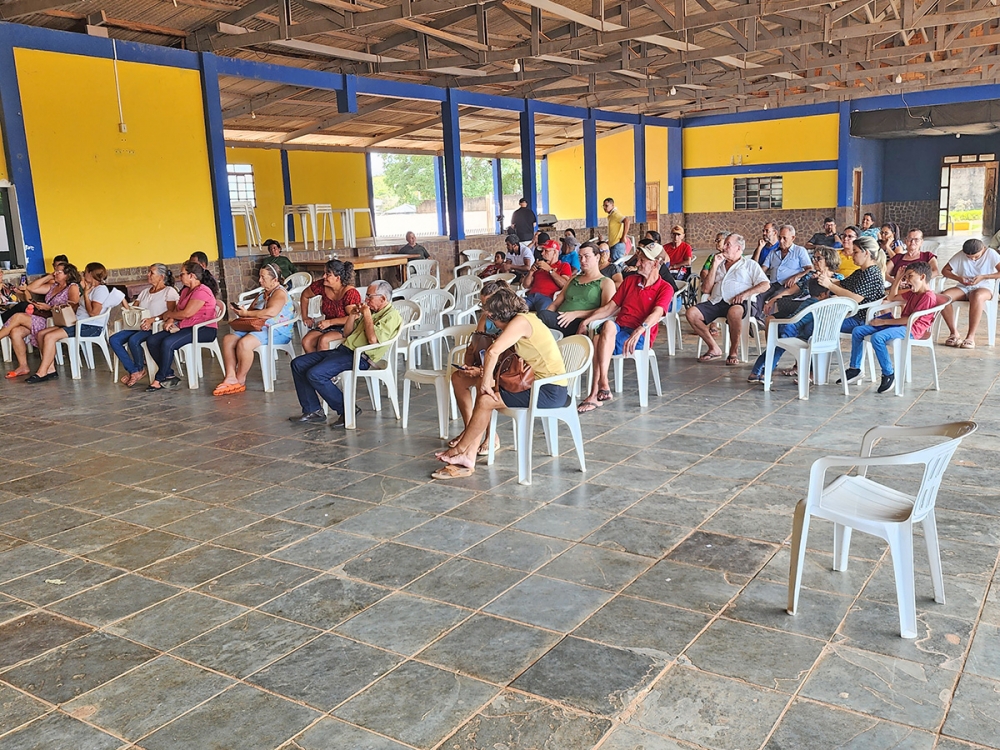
point(852, 375)
point(35, 378)
point(886, 384)
point(316, 417)
point(341, 421)
point(154, 388)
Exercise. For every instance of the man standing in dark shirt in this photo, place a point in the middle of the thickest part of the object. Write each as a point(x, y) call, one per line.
point(524, 221)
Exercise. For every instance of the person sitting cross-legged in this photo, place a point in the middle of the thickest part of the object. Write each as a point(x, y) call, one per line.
point(376, 321)
point(801, 330)
point(584, 293)
point(883, 329)
point(642, 299)
point(730, 284)
point(974, 268)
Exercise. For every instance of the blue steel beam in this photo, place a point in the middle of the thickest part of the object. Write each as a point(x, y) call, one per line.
point(675, 170)
point(928, 98)
point(560, 110)
point(439, 196)
point(497, 195)
point(590, 170)
point(624, 118)
point(224, 234)
point(400, 89)
point(261, 71)
point(453, 166)
point(529, 186)
point(639, 154)
point(347, 97)
point(489, 101)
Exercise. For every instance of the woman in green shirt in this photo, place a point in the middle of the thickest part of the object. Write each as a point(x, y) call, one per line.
point(587, 291)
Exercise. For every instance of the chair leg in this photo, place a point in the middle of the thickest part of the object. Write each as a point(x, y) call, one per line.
point(553, 435)
point(804, 363)
point(573, 422)
point(843, 371)
point(654, 370)
point(991, 322)
point(841, 546)
point(525, 444)
point(406, 406)
point(349, 387)
point(491, 439)
point(374, 393)
point(937, 383)
point(769, 362)
point(390, 387)
point(900, 357)
point(619, 364)
point(642, 376)
point(901, 547)
point(442, 391)
point(800, 534)
point(193, 355)
point(934, 556)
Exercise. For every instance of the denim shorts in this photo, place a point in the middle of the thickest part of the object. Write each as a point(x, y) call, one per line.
point(85, 331)
point(281, 336)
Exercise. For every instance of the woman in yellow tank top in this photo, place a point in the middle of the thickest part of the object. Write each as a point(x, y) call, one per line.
point(534, 343)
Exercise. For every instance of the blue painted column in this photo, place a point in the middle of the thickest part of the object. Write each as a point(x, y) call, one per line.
point(371, 191)
point(675, 170)
point(18, 165)
point(545, 184)
point(442, 206)
point(286, 186)
point(590, 170)
point(453, 166)
point(528, 180)
point(639, 150)
point(498, 195)
point(845, 174)
point(225, 235)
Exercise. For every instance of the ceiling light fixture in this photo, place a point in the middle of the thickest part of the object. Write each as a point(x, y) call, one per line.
point(899, 78)
point(673, 91)
point(516, 67)
point(253, 115)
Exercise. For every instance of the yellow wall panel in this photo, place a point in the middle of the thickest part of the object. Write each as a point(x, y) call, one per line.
point(3, 159)
point(791, 139)
point(656, 162)
point(812, 189)
point(566, 189)
point(616, 171)
point(331, 177)
point(124, 199)
point(268, 187)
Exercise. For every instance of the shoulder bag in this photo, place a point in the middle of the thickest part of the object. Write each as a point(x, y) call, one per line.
point(514, 375)
point(250, 325)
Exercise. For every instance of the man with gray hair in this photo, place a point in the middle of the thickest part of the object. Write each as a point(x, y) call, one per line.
point(730, 283)
point(785, 266)
point(376, 320)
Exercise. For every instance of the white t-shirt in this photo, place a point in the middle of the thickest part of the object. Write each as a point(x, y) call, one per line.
point(524, 258)
point(964, 266)
point(742, 275)
point(156, 304)
point(97, 294)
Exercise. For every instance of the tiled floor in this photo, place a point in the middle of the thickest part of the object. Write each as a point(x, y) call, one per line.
point(179, 571)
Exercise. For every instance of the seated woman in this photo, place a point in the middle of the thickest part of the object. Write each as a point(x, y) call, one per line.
point(976, 269)
point(889, 240)
point(64, 290)
point(912, 254)
point(533, 342)
point(846, 252)
point(787, 302)
point(584, 293)
point(157, 299)
point(274, 306)
point(38, 287)
point(93, 296)
point(863, 286)
point(340, 299)
point(195, 306)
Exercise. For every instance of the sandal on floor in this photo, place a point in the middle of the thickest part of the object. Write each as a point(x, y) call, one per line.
point(451, 471)
point(587, 406)
point(225, 389)
point(968, 344)
point(789, 372)
point(484, 449)
point(755, 378)
point(953, 341)
point(732, 361)
point(604, 395)
point(708, 357)
point(15, 374)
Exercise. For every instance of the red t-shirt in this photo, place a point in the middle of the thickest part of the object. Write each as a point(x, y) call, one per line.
point(915, 303)
point(636, 301)
point(680, 255)
point(543, 284)
point(335, 308)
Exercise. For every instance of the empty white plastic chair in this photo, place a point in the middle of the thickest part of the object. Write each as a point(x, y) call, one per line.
point(434, 304)
point(577, 352)
point(477, 254)
point(299, 279)
point(427, 267)
point(414, 284)
point(507, 277)
point(465, 290)
point(411, 314)
point(439, 378)
point(828, 316)
point(472, 267)
point(189, 355)
point(856, 502)
point(269, 354)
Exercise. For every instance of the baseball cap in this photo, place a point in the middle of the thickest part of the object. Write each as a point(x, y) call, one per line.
point(653, 250)
point(550, 245)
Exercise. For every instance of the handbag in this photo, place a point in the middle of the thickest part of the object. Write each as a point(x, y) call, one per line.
point(132, 317)
point(63, 316)
point(514, 375)
point(247, 325)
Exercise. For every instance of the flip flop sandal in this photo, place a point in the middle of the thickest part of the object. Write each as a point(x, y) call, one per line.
point(587, 406)
point(604, 395)
point(709, 357)
point(732, 361)
point(790, 372)
point(953, 341)
point(453, 472)
point(967, 344)
point(14, 374)
point(225, 389)
point(484, 449)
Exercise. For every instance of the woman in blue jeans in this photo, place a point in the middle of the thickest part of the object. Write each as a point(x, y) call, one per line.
point(160, 297)
point(196, 306)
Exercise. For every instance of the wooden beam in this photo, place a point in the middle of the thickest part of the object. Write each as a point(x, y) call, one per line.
point(330, 122)
point(27, 7)
point(260, 101)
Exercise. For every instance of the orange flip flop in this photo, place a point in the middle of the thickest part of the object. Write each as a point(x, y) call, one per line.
point(226, 389)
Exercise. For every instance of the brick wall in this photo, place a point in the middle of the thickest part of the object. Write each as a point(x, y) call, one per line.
point(702, 228)
point(913, 215)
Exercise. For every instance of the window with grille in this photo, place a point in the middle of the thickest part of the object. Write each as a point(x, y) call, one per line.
point(751, 193)
point(241, 186)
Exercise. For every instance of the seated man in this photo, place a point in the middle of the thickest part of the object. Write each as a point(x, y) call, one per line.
point(786, 265)
point(376, 320)
point(584, 293)
point(730, 284)
point(546, 277)
point(976, 269)
point(885, 328)
point(520, 257)
point(801, 330)
point(640, 302)
point(679, 253)
point(767, 243)
point(827, 238)
point(569, 252)
point(287, 268)
point(412, 248)
point(498, 265)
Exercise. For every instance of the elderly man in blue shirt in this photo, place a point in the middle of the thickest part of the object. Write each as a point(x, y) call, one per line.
point(785, 265)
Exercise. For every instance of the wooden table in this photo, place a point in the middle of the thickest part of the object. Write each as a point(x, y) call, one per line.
point(373, 262)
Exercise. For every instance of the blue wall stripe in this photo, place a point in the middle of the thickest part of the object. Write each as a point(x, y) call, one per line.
point(792, 166)
point(762, 115)
point(286, 184)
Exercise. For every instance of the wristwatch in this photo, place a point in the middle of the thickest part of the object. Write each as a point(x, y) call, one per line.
point(645, 325)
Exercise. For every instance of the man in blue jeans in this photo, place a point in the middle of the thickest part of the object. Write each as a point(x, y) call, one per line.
point(376, 320)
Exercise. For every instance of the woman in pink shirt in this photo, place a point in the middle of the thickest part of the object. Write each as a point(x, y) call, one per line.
point(195, 306)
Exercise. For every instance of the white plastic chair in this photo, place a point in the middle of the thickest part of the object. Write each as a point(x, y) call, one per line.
point(991, 314)
point(299, 279)
point(434, 304)
point(645, 364)
point(672, 320)
point(828, 316)
point(856, 502)
point(249, 296)
point(427, 267)
point(8, 352)
point(411, 315)
point(189, 355)
point(577, 352)
point(414, 284)
point(439, 378)
point(269, 354)
point(465, 290)
point(902, 349)
point(477, 254)
point(750, 323)
point(380, 373)
point(76, 342)
point(507, 277)
point(313, 310)
point(470, 267)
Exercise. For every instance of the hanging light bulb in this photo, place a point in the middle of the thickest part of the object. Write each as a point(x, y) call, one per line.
point(673, 91)
point(899, 78)
point(765, 105)
point(516, 67)
point(253, 115)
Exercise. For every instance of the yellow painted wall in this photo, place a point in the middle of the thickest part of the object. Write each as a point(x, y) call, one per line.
point(813, 189)
point(124, 199)
point(269, 189)
point(656, 162)
point(3, 159)
point(616, 171)
point(331, 177)
point(769, 142)
point(566, 189)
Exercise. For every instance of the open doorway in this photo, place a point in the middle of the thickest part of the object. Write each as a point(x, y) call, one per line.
point(968, 195)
